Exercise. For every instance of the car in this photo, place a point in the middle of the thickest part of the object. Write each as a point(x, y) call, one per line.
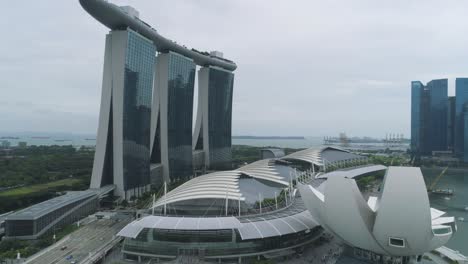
point(63, 247)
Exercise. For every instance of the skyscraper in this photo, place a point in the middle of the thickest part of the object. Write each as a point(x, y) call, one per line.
point(461, 94)
point(145, 126)
point(173, 114)
point(437, 134)
point(451, 123)
point(214, 118)
point(123, 141)
point(417, 135)
point(429, 116)
point(465, 135)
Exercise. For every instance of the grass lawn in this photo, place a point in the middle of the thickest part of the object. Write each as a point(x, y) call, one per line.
point(39, 187)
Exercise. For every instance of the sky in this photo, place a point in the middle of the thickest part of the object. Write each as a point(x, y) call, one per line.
point(312, 68)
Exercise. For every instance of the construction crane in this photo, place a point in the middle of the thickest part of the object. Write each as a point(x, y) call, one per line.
point(436, 180)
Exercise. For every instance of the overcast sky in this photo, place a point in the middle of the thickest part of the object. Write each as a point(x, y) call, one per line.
point(310, 68)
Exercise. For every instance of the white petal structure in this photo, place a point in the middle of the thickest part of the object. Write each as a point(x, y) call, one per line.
point(398, 223)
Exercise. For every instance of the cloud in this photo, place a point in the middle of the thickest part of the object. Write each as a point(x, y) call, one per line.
point(304, 67)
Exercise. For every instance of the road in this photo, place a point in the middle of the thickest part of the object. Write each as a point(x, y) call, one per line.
point(81, 243)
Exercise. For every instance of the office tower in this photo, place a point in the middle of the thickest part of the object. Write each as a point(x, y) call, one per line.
point(429, 116)
point(461, 94)
point(214, 117)
point(123, 141)
point(451, 123)
point(438, 93)
point(465, 135)
point(417, 98)
point(173, 114)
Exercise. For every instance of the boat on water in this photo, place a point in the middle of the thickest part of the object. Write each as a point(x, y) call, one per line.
point(442, 191)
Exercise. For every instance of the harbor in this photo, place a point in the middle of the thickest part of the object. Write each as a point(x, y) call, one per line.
point(455, 204)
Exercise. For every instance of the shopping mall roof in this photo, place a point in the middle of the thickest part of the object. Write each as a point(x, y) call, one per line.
point(223, 184)
point(226, 184)
point(248, 229)
point(322, 155)
point(276, 152)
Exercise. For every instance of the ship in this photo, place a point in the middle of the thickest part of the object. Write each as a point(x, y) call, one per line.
point(442, 191)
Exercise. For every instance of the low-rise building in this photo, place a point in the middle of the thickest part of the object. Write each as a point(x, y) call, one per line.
point(43, 218)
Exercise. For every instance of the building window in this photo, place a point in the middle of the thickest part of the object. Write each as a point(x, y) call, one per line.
point(396, 242)
point(444, 230)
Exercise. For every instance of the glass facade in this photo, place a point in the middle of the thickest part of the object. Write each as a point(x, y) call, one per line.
point(451, 123)
point(32, 227)
point(437, 139)
point(108, 170)
point(461, 93)
point(429, 110)
point(19, 228)
point(465, 136)
point(417, 89)
point(138, 88)
point(180, 114)
point(210, 243)
point(220, 90)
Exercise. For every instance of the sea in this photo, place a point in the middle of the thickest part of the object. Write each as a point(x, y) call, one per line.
point(455, 205)
point(77, 140)
point(456, 179)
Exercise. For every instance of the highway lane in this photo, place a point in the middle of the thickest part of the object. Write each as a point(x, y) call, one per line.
point(81, 243)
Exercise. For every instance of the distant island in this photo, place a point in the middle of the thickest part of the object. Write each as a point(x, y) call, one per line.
point(267, 137)
point(8, 137)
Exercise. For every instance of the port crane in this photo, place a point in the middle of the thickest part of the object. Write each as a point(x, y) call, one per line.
point(435, 181)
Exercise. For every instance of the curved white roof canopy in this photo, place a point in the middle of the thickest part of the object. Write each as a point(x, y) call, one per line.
point(114, 17)
point(401, 215)
point(222, 184)
point(265, 170)
point(247, 229)
point(217, 185)
point(310, 155)
point(315, 155)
